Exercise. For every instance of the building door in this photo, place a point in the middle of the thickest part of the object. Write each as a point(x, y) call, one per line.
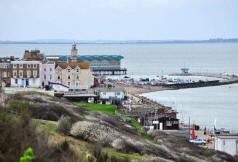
point(22, 82)
point(27, 82)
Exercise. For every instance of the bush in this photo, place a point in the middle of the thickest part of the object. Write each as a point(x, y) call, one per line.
point(28, 156)
point(64, 125)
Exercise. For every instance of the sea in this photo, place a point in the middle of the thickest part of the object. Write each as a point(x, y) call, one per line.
point(203, 106)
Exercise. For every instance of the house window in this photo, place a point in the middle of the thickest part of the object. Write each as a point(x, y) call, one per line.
point(34, 66)
point(44, 76)
point(58, 77)
point(118, 93)
point(45, 69)
point(14, 74)
point(77, 77)
point(4, 74)
point(28, 74)
point(77, 70)
point(14, 66)
point(50, 77)
point(50, 69)
point(21, 66)
point(69, 84)
point(21, 74)
point(224, 142)
point(77, 84)
point(236, 146)
point(69, 77)
point(28, 66)
point(16, 81)
point(34, 74)
point(69, 70)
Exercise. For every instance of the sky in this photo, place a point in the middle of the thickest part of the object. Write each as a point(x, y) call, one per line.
point(22, 20)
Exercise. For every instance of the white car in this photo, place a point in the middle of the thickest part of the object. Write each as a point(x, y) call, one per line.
point(198, 141)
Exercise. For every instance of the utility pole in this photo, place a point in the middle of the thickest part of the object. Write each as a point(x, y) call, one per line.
point(189, 128)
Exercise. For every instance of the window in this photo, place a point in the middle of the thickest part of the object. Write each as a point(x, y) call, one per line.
point(4, 74)
point(77, 70)
point(236, 146)
point(45, 69)
point(21, 66)
point(14, 66)
point(118, 93)
point(224, 142)
point(34, 74)
point(21, 74)
point(28, 66)
point(34, 65)
point(69, 70)
point(16, 81)
point(14, 74)
point(44, 76)
point(69, 84)
point(28, 74)
point(50, 69)
point(77, 77)
point(50, 77)
point(69, 77)
point(58, 77)
point(77, 84)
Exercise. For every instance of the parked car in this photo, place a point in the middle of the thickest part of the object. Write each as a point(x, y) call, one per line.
point(198, 141)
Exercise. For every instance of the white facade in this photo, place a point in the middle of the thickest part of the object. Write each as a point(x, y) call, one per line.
point(21, 82)
point(227, 143)
point(106, 94)
point(26, 74)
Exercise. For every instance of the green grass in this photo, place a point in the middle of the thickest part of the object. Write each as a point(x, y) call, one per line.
point(49, 126)
point(112, 152)
point(110, 110)
point(107, 109)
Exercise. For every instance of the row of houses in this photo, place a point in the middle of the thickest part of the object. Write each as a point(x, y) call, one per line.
point(73, 71)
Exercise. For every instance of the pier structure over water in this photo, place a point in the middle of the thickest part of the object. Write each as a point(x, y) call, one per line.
point(99, 64)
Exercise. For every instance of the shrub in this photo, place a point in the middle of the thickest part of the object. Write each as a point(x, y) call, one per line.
point(64, 125)
point(28, 156)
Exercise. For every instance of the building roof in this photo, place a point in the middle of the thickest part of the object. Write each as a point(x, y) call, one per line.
point(228, 136)
point(94, 57)
point(73, 65)
point(115, 89)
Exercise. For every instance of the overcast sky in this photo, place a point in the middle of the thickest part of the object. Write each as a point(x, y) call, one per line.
point(118, 19)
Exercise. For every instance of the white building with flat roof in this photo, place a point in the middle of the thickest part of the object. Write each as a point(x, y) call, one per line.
point(227, 143)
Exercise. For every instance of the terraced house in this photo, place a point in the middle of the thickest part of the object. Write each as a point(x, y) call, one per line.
point(74, 75)
point(25, 73)
point(5, 72)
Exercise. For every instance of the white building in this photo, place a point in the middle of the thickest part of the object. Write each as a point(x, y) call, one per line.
point(107, 94)
point(227, 143)
point(25, 74)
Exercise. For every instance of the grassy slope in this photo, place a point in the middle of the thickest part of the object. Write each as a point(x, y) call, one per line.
point(110, 110)
point(50, 126)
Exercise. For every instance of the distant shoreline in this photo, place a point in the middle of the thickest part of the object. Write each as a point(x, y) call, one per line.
point(122, 41)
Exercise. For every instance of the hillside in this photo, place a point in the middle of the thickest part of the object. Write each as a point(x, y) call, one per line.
point(77, 132)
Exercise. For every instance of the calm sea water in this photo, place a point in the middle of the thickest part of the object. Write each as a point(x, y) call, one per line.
point(203, 105)
point(147, 59)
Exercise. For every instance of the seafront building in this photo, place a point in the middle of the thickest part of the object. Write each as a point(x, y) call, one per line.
point(74, 75)
point(99, 64)
point(47, 73)
point(25, 73)
point(227, 143)
point(5, 68)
